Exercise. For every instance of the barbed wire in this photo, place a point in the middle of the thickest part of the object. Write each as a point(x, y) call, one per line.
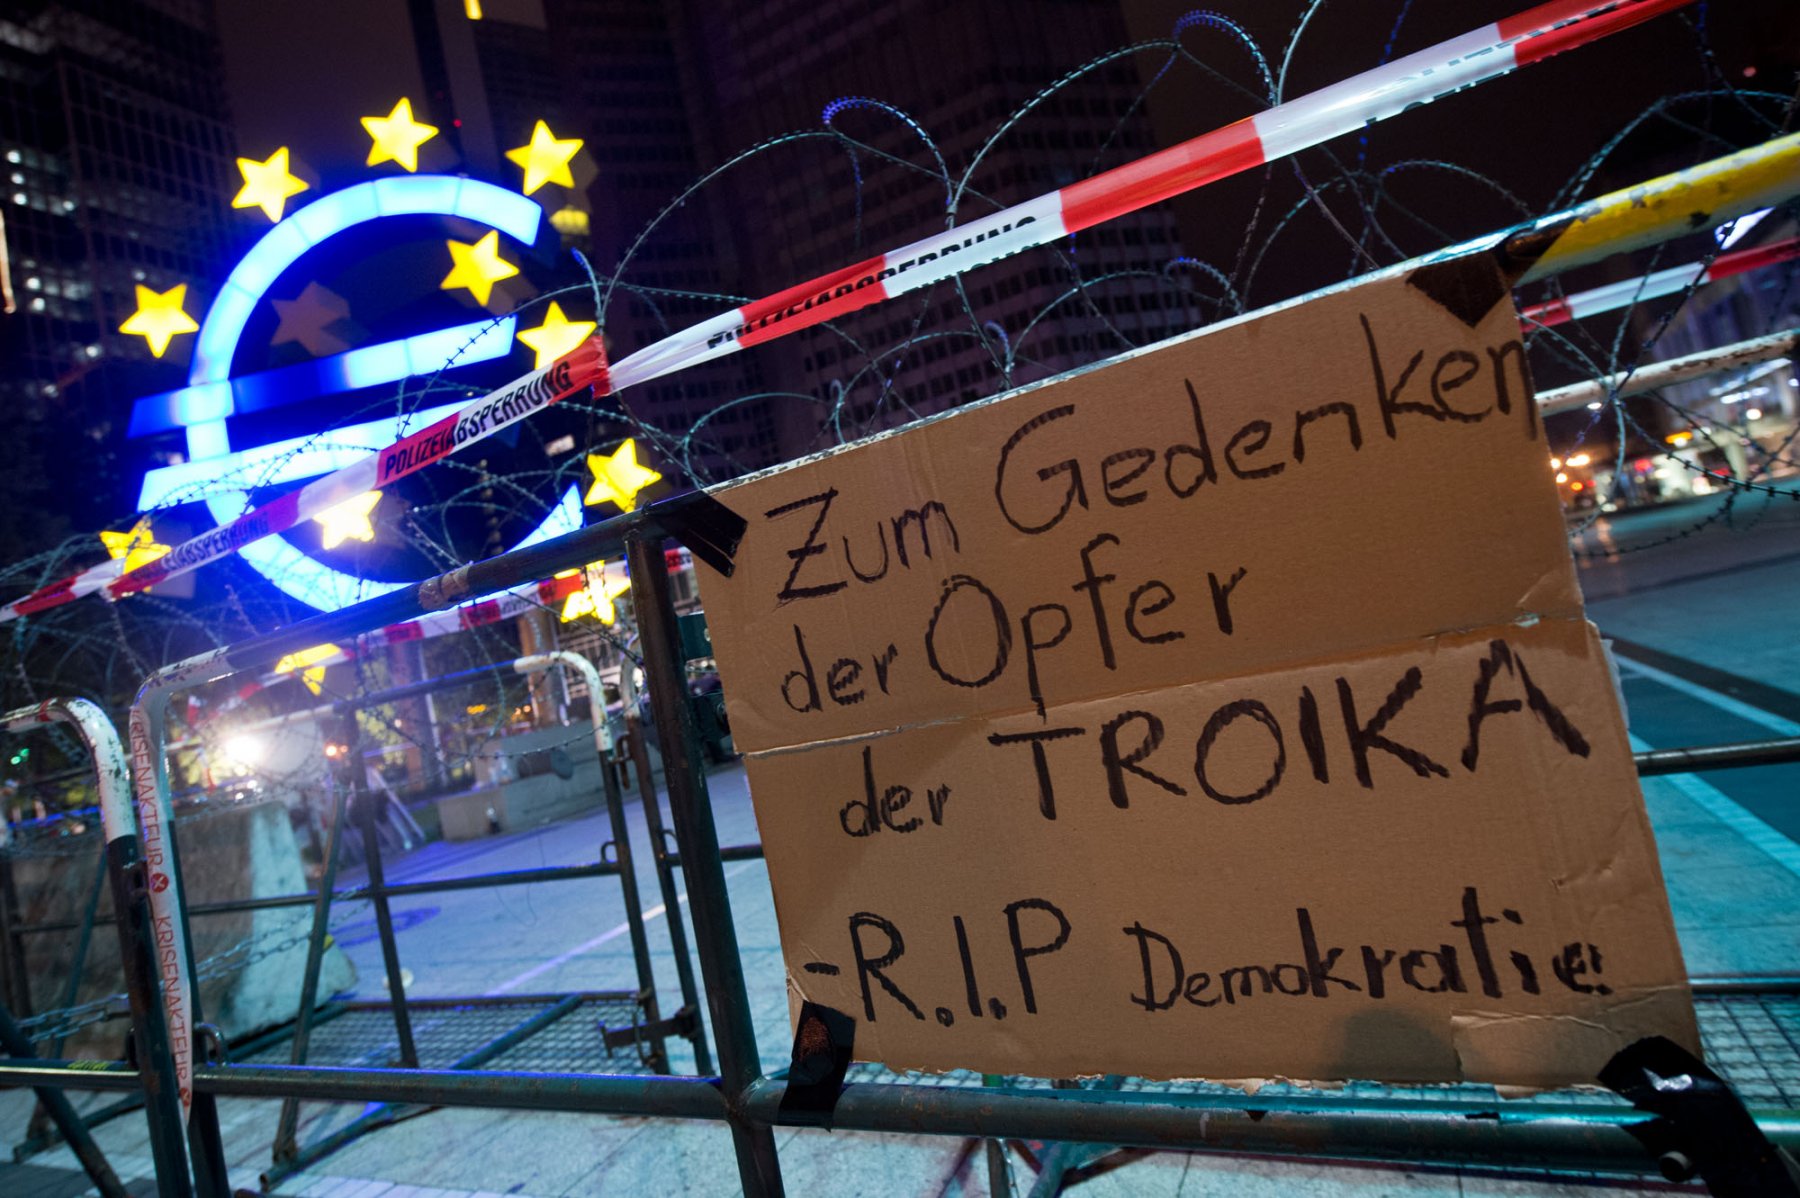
point(1340, 209)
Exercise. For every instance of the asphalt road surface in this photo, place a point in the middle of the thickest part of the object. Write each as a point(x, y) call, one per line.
point(1702, 603)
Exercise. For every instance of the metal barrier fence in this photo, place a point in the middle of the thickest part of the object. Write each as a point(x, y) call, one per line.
point(1570, 1131)
point(1556, 1131)
point(642, 1029)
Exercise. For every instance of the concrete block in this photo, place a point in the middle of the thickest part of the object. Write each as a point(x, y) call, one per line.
point(245, 850)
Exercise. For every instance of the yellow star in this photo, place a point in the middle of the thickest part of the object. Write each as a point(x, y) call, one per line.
point(159, 316)
point(477, 266)
point(618, 478)
point(311, 663)
point(347, 521)
point(596, 599)
point(397, 137)
point(556, 336)
point(137, 547)
point(546, 159)
point(267, 185)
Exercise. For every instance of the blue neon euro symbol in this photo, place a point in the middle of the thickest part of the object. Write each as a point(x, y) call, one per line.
point(223, 477)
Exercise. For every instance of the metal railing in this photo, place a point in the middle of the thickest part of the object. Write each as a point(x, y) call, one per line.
point(1549, 1132)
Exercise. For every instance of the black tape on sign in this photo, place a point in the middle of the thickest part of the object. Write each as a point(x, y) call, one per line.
point(822, 1045)
point(1701, 1125)
point(1467, 287)
point(710, 530)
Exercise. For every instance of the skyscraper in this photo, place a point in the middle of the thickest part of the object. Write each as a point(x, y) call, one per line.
point(954, 74)
point(118, 168)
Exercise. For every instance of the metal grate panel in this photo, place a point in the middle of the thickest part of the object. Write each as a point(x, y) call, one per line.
point(1752, 1040)
point(364, 1038)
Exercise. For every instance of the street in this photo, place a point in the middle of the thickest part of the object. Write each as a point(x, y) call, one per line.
point(1698, 600)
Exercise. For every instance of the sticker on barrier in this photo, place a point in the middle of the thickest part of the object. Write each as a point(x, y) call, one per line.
point(1228, 711)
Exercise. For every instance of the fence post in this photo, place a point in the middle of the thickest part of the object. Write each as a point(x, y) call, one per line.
point(286, 1146)
point(364, 804)
point(615, 811)
point(740, 1066)
point(174, 940)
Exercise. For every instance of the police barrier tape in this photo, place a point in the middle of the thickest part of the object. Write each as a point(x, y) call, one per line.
point(478, 613)
point(1461, 62)
point(1660, 283)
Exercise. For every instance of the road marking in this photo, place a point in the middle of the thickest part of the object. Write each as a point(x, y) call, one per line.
point(1733, 815)
point(1780, 725)
point(587, 946)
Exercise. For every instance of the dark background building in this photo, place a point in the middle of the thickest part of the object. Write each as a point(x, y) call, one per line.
point(117, 151)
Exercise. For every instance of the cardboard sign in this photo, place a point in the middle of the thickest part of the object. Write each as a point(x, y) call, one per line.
point(1227, 711)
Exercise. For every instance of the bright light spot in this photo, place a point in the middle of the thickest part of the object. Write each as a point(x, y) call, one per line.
point(1555, 463)
point(348, 521)
point(1574, 486)
point(243, 750)
point(1728, 234)
point(570, 221)
point(1580, 459)
point(1561, 477)
point(1753, 414)
point(1595, 406)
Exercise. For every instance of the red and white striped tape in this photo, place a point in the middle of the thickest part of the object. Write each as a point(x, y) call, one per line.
point(1475, 57)
point(494, 609)
point(1663, 282)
